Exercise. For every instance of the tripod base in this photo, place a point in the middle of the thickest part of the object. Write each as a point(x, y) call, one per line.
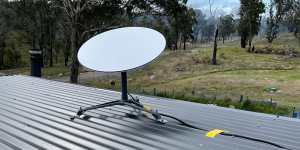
point(133, 103)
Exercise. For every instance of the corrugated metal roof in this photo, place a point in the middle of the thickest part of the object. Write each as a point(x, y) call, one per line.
point(34, 114)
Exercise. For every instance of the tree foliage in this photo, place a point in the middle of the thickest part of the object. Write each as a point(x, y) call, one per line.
point(250, 11)
point(297, 24)
point(207, 29)
point(60, 26)
point(188, 20)
point(277, 10)
point(200, 19)
point(295, 18)
point(226, 26)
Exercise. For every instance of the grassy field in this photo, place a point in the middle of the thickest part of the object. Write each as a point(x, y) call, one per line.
point(256, 76)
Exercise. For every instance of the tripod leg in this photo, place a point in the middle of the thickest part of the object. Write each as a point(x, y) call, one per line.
point(108, 104)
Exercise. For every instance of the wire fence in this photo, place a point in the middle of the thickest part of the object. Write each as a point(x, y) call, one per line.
point(242, 102)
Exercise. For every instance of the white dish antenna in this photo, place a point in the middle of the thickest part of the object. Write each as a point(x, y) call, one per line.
point(121, 49)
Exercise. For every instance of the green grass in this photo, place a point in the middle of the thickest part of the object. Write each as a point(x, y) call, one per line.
point(286, 40)
point(58, 70)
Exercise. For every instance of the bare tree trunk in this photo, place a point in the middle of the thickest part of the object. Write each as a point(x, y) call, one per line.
point(66, 60)
point(73, 10)
point(51, 57)
point(243, 41)
point(1, 59)
point(180, 44)
point(56, 57)
point(250, 45)
point(223, 38)
point(176, 39)
point(75, 62)
point(184, 43)
point(2, 54)
point(180, 41)
point(214, 57)
point(51, 46)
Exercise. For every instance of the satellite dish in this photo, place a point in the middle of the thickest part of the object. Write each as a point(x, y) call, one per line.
point(121, 49)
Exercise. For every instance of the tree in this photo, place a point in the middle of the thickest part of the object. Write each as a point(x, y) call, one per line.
point(290, 16)
point(28, 20)
point(12, 53)
point(226, 26)
point(188, 21)
point(63, 25)
point(39, 20)
point(73, 11)
point(173, 10)
point(297, 19)
point(51, 17)
point(85, 18)
point(277, 9)
point(209, 29)
point(272, 24)
point(250, 11)
point(200, 19)
point(180, 18)
point(7, 23)
point(297, 24)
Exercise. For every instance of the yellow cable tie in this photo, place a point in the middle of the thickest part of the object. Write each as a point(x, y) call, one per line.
point(214, 133)
point(147, 108)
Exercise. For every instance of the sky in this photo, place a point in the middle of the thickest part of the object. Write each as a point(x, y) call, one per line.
point(221, 6)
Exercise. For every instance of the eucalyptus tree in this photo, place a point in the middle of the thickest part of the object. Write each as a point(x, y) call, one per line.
point(226, 26)
point(38, 19)
point(188, 21)
point(180, 18)
point(293, 16)
point(208, 29)
point(250, 17)
point(85, 18)
point(7, 23)
point(277, 11)
point(297, 24)
point(29, 20)
point(200, 19)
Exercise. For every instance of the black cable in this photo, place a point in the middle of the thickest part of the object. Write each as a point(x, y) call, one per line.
point(226, 134)
point(132, 97)
point(183, 123)
point(135, 101)
point(255, 139)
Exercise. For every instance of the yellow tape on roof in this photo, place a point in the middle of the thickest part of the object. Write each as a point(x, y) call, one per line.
point(214, 133)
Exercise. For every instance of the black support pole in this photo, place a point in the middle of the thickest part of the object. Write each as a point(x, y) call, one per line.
point(124, 85)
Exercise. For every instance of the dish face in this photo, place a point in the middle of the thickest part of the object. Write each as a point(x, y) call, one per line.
point(121, 49)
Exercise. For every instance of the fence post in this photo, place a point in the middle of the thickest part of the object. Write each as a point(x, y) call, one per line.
point(241, 98)
point(173, 93)
point(193, 92)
